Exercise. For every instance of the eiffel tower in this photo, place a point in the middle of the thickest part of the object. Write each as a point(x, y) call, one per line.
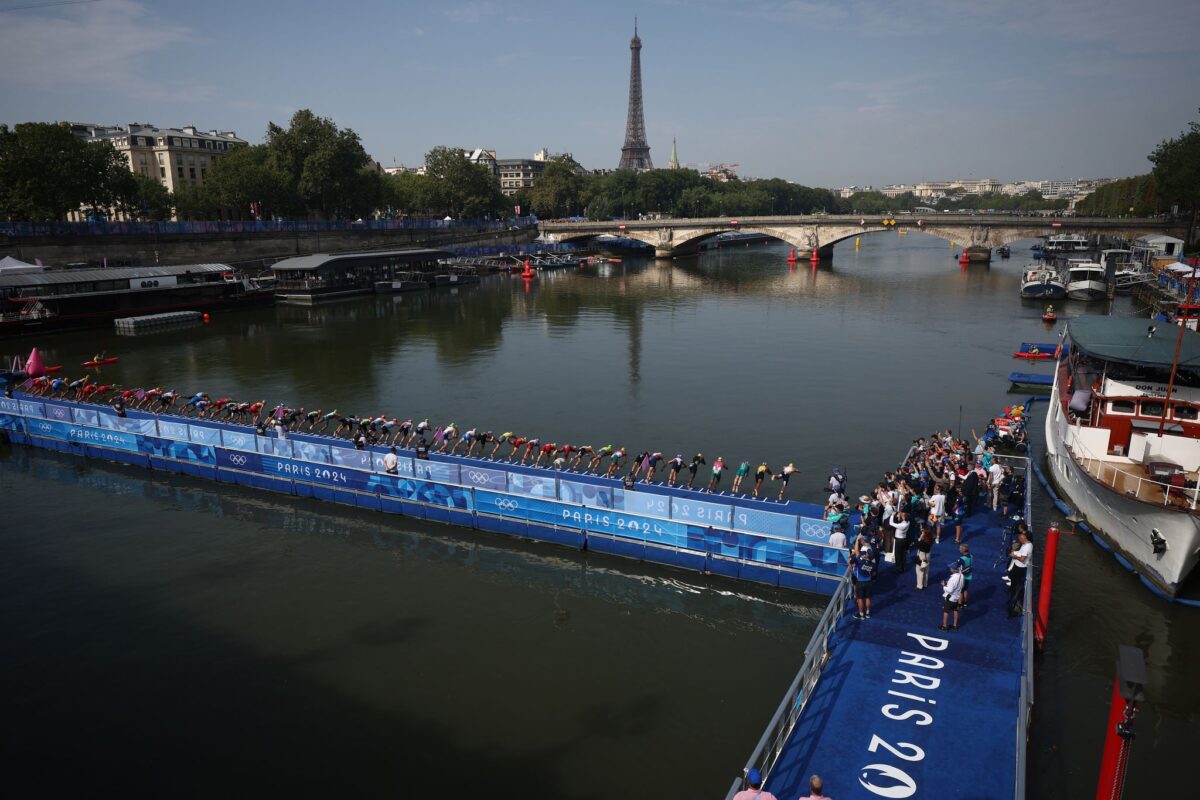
point(636, 153)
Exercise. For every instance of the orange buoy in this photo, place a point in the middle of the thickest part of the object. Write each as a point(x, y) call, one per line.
point(206, 317)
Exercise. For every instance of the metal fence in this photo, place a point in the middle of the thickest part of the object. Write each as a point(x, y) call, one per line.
point(816, 653)
point(254, 226)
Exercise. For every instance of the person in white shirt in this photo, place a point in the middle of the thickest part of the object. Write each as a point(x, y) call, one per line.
point(1018, 563)
point(995, 480)
point(951, 595)
point(390, 462)
point(937, 511)
point(838, 539)
point(899, 523)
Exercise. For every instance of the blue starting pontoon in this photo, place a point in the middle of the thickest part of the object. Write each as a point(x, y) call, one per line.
point(891, 706)
point(782, 544)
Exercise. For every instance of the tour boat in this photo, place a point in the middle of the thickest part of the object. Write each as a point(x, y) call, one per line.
point(1085, 281)
point(100, 362)
point(1123, 439)
point(1042, 282)
point(1066, 243)
point(1004, 251)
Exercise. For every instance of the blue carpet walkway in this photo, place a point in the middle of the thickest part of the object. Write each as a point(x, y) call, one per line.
point(910, 710)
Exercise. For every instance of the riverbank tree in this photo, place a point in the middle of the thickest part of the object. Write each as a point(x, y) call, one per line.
point(46, 173)
point(1177, 170)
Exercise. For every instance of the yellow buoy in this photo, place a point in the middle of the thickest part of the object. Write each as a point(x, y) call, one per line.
point(857, 242)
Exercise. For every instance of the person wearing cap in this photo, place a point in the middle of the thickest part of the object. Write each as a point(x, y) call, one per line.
point(951, 595)
point(754, 782)
point(816, 789)
point(718, 467)
point(760, 475)
point(676, 465)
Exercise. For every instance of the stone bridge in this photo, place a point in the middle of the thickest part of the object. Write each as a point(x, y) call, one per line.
point(981, 232)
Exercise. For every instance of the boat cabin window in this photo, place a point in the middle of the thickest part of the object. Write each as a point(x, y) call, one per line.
point(1185, 412)
point(1121, 407)
point(1152, 408)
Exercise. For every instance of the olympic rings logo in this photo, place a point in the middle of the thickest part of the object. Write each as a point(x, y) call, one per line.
point(479, 477)
point(58, 413)
point(814, 530)
point(506, 505)
point(45, 427)
point(237, 440)
point(238, 460)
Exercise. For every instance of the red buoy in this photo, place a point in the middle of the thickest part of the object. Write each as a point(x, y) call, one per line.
point(206, 317)
point(528, 273)
point(815, 257)
point(792, 256)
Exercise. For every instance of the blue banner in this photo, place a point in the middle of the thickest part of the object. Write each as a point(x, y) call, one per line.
point(239, 459)
point(756, 520)
point(11, 422)
point(698, 512)
point(86, 416)
point(314, 473)
point(310, 451)
point(44, 427)
point(531, 485)
point(203, 435)
point(437, 471)
point(274, 447)
point(586, 494)
point(62, 413)
point(422, 491)
point(349, 457)
point(173, 430)
point(30, 409)
point(495, 480)
point(238, 440)
point(526, 508)
point(814, 530)
point(10, 405)
point(145, 427)
point(655, 505)
point(115, 440)
point(615, 523)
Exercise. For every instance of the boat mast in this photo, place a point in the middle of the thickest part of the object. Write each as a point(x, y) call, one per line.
point(1162, 422)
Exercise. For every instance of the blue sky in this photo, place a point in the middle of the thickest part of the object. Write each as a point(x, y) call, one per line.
point(825, 93)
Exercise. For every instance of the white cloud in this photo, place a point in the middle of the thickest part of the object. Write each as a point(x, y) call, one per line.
point(104, 44)
point(472, 12)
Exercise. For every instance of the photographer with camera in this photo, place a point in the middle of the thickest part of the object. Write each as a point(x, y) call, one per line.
point(1019, 558)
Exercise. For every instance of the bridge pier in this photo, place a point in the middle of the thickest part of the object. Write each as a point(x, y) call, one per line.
point(979, 254)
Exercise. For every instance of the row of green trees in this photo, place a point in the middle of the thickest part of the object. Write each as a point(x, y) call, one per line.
point(565, 190)
point(46, 172)
point(1137, 196)
point(313, 169)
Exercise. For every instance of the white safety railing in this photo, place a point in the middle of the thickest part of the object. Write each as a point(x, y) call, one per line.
point(816, 653)
point(1110, 473)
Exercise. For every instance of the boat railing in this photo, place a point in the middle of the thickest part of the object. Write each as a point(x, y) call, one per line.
point(1025, 707)
point(816, 654)
point(1109, 473)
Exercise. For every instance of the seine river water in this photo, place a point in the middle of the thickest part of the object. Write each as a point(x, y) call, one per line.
point(163, 634)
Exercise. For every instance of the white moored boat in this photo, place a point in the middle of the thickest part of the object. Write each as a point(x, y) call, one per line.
point(1085, 280)
point(1123, 448)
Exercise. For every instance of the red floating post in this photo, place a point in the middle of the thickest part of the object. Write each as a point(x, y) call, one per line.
point(963, 258)
point(1127, 693)
point(1042, 621)
point(528, 273)
point(792, 256)
point(816, 255)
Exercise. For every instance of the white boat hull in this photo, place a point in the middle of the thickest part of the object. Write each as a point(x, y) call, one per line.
point(1121, 521)
point(1086, 290)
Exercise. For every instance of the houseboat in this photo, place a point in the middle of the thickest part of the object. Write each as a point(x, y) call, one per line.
point(1066, 243)
point(34, 298)
point(1123, 439)
point(327, 276)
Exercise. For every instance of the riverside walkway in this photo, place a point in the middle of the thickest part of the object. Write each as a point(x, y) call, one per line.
point(893, 707)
